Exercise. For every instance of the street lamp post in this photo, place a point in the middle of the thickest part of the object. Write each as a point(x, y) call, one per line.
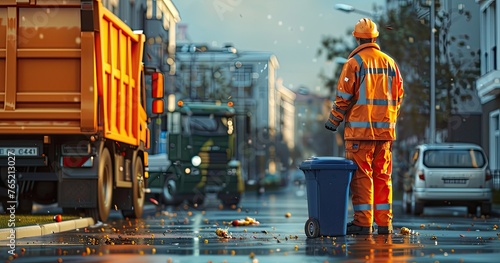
point(192, 50)
point(432, 125)
point(349, 9)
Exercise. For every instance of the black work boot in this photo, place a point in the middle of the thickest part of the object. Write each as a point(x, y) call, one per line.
point(353, 229)
point(385, 230)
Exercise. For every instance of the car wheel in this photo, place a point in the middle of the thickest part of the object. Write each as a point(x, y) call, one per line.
point(417, 206)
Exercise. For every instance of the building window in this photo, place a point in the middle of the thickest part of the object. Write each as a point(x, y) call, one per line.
point(486, 62)
point(242, 80)
point(200, 76)
point(489, 34)
point(132, 15)
point(491, 18)
point(494, 55)
point(495, 139)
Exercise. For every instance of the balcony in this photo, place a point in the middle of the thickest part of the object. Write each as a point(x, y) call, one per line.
point(488, 86)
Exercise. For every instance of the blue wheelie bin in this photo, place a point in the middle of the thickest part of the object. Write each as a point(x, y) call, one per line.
point(327, 185)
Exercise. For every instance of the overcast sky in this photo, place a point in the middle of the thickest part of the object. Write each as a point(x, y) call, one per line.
point(290, 29)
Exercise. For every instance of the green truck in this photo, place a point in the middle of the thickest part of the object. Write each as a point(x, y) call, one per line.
point(195, 155)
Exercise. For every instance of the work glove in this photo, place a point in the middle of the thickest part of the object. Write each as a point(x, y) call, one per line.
point(329, 125)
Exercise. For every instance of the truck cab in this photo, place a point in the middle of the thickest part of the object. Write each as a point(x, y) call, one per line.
point(200, 147)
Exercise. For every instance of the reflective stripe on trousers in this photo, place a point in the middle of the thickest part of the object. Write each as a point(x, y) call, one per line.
point(371, 185)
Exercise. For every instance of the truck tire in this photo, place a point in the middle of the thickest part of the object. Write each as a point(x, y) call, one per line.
point(170, 191)
point(104, 185)
point(138, 193)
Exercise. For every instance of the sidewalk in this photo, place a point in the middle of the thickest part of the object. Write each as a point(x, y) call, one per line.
point(44, 229)
point(56, 227)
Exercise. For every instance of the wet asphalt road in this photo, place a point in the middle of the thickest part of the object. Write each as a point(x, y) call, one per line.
point(188, 234)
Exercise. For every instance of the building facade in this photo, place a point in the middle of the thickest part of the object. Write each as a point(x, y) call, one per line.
point(246, 78)
point(157, 19)
point(488, 85)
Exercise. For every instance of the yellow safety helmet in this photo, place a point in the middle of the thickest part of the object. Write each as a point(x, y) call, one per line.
point(365, 28)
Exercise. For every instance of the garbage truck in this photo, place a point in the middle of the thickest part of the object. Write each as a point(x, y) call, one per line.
point(73, 115)
point(196, 155)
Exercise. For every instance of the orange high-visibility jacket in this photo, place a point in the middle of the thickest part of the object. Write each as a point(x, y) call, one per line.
point(369, 95)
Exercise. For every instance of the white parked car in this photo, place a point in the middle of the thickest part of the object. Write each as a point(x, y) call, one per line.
point(448, 174)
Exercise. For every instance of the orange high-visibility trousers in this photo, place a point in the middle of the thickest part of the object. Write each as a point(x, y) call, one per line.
point(371, 185)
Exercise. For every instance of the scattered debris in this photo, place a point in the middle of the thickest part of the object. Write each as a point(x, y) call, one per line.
point(58, 218)
point(222, 233)
point(245, 222)
point(152, 200)
point(405, 231)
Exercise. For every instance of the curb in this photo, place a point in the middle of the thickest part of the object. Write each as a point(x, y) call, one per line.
point(44, 229)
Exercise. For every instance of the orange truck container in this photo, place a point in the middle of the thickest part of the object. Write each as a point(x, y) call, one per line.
point(73, 119)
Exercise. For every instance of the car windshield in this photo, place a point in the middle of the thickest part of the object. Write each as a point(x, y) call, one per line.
point(454, 158)
point(208, 124)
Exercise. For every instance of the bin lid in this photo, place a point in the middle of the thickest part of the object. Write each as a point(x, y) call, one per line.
point(328, 162)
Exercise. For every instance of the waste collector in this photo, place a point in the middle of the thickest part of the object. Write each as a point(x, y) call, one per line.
point(368, 100)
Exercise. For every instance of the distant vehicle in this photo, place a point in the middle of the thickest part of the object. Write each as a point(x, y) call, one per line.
point(448, 174)
point(199, 157)
point(298, 177)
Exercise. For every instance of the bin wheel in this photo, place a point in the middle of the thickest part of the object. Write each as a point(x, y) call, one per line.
point(312, 228)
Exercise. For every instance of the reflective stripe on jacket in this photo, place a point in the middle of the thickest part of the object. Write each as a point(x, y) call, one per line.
point(369, 95)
